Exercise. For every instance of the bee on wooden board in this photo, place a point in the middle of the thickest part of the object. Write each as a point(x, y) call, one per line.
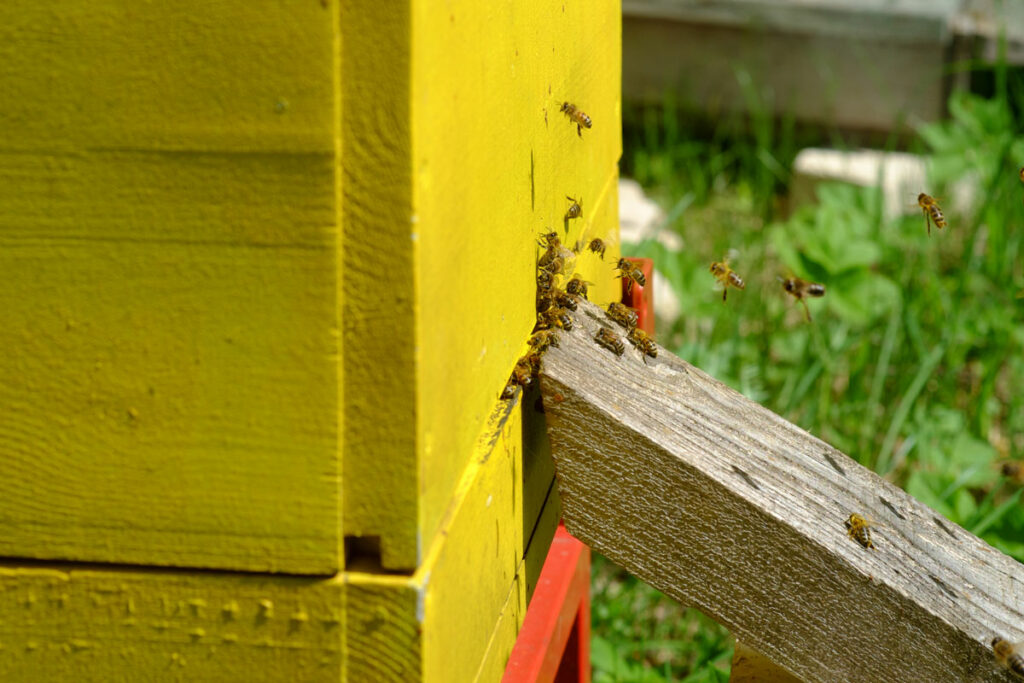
point(801, 289)
point(543, 339)
point(727, 276)
point(577, 116)
point(611, 341)
point(554, 317)
point(859, 529)
point(631, 273)
point(623, 315)
point(1009, 656)
point(643, 343)
point(564, 299)
point(577, 286)
point(575, 209)
point(932, 212)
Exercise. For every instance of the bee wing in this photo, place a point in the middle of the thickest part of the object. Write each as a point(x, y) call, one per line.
point(580, 278)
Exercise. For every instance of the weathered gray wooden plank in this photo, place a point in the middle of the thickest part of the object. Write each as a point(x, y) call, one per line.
point(724, 505)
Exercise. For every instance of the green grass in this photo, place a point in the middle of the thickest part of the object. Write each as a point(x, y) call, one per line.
point(913, 362)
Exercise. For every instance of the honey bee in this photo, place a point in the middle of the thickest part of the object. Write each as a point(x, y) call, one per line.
point(575, 210)
point(1009, 656)
point(554, 317)
point(800, 289)
point(597, 246)
point(577, 286)
point(550, 240)
point(576, 116)
point(932, 212)
point(522, 376)
point(859, 529)
point(631, 273)
point(545, 280)
point(543, 339)
point(611, 341)
point(564, 299)
point(622, 314)
point(552, 264)
point(727, 276)
point(1014, 471)
point(643, 343)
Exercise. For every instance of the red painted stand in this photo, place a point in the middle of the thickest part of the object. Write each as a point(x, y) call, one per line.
point(554, 644)
point(642, 298)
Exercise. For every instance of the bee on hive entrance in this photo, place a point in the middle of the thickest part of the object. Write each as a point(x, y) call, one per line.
point(630, 273)
point(542, 339)
point(577, 116)
point(575, 210)
point(643, 343)
point(801, 289)
point(597, 246)
point(522, 375)
point(1009, 656)
point(611, 341)
point(859, 529)
point(727, 276)
point(932, 212)
point(622, 314)
point(577, 286)
point(564, 299)
point(554, 317)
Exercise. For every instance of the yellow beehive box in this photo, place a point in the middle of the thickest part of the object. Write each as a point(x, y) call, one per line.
point(265, 271)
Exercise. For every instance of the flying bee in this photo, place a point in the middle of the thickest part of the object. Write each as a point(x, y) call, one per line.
point(575, 210)
point(643, 343)
point(859, 529)
point(597, 246)
point(543, 339)
point(611, 341)
point(577, 286)
point(932, 212)
point(564, 299)
point(1014, 471)
point(801, 289)
point(628, 271)
point(577, 116)
point(1009, 656)
point(622, 314)
point(727, 276)
point(554, 317)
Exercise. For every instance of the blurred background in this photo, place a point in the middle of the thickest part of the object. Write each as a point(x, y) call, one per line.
point(793, 137)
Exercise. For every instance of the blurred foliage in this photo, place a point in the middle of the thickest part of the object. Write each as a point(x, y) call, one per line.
point(912, 364)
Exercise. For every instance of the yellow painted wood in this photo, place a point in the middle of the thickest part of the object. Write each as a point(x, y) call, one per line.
point(456, 157)
point(169, 284)
point(133, 625)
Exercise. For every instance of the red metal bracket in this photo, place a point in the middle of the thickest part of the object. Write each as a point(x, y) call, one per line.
point(641, 298)
point(554, 644)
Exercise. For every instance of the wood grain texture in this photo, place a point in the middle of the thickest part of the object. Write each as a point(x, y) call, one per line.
point(168, 284)
point(456, 158)
point(725, 506)
point(115, 625)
